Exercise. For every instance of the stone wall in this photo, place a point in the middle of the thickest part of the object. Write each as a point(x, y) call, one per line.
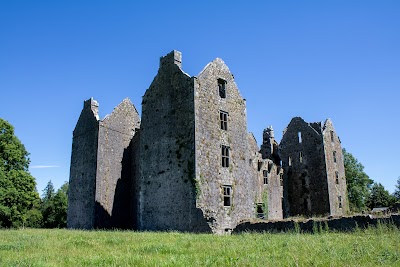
point(82, 181)
point(216, 92)
point(114, 171)
point(305, 176)
point(167, 156)
point(314, 226)
point(336, 179)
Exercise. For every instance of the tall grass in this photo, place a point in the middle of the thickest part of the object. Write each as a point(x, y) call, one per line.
point(34, 247)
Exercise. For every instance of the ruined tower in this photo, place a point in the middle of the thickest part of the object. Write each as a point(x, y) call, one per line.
point(104, 168)
point(313, 165)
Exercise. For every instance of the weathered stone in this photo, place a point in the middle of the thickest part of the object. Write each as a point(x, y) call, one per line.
point(193, 166)
point(310, 169)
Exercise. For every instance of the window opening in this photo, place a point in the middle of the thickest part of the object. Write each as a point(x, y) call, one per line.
point(222, 88)
point(225, 156)
point(332, 137)
point(260, 211)
point(301, 157)
point(340, 202)
point(300, 139)
point(281, 179)
point(223, 116)
point(227, 195)
point(290, 161)
point(334, 156)
point(265, 174)
point(337, 177)
point(259, 165)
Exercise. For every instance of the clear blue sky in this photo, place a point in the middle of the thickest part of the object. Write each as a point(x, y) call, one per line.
point(314, 59)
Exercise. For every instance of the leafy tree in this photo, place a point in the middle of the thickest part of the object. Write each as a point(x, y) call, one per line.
point(358, 182)
point(54, 206)
point(379, 197)
point(17, 186)
point(396, 193)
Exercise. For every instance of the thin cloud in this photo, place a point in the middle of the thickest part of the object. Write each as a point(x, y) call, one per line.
point(43, 166)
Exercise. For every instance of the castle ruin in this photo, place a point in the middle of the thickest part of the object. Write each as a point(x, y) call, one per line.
point(189, 163)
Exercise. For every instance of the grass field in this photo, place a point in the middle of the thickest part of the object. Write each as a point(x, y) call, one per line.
point(40, 247)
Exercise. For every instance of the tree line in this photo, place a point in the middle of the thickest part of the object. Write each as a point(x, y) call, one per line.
point(21, 205)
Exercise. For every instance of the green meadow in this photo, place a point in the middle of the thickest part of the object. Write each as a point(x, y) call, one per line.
point(377, 246)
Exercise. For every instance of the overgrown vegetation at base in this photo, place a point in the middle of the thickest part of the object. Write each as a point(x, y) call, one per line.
point(38, 247)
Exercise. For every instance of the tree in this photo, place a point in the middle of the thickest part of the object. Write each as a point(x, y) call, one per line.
point(17, 186)
point(396, 193)
point(379, 197)
point(358, 182)
point(54, 206)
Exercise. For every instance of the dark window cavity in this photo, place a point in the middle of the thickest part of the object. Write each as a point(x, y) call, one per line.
point(222, 88)
point(265, 174)
point(301, 157)
point(332, 137)
point(225, 156)
point(334, 156)
point(259, 165)
point(337, 177)
point(260, 211)
point(223, 117)
point(281, 179)
point(227, 195)
point(340, 202)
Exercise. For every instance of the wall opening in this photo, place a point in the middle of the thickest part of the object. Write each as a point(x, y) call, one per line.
point(332, 137)
point(301, 157)
point(222, 88)
point(265, 175)
point(337, 177)
point(300, 139)
point(334, 156)
point(340, 201)
point(223, 116)
point(225, 156)
point(260, 211)
point(227, 195)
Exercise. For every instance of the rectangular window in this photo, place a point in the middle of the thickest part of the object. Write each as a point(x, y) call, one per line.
point(223, 117)
point(334, 156)
point(300, 140)
point(222, 88)
point(340, 202)
point(225, 156)
point(290, 161)
point(337, 177)
point(260, 163)
point(260, 211)
point(265, 174)
point(281, 179)
point(301, 157)
point(227, 195)
point(332, 137)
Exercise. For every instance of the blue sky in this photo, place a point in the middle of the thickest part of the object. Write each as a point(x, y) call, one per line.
point(314, 59)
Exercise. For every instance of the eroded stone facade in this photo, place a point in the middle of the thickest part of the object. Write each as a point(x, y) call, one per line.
point(191, 165)
point(314, 178)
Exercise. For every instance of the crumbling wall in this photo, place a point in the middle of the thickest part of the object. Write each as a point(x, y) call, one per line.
point(305, 177)
point(335, 170)
point(167, 162)
point(114, 195)
point(216, 92)
point(268, 188)
point(82, 181)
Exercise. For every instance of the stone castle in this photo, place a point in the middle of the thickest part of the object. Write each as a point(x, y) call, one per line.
point(189, 164)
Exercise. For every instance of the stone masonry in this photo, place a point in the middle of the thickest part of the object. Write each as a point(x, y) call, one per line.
point(189, 163)
point(314, 178)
